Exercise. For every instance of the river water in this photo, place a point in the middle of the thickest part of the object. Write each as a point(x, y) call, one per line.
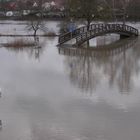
point(53, 93)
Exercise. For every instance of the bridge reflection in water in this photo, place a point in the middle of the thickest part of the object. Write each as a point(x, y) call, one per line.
point(117, 63)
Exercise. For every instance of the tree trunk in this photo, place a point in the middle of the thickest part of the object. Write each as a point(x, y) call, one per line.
point(124, 16)
point(88, 28)
point(88, 24)
point(35, 32)
point(124, 20)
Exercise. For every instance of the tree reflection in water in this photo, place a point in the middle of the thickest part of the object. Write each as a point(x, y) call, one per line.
point(33, 48)
point(0, 125)
point(116, 64)
point(0, 120)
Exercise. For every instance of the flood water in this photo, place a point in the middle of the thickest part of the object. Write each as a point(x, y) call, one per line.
point(52, 93)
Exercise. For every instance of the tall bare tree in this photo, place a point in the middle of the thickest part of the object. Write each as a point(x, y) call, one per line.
point(111, 6)
point(124, 4)
point(87, 9)
point(134, 9)
point(35, 25)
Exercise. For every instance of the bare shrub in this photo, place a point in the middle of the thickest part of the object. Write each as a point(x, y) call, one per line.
point(35, 25)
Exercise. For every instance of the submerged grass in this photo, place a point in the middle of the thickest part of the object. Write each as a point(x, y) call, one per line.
point(20, 43)
point(51, 34)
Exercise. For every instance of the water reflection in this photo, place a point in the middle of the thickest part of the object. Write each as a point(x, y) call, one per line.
point(0, 92)
point(0, 120)
point(0, 125)
point(114, 64)
point(33, 47)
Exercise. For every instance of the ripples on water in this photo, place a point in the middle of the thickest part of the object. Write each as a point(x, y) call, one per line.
point(52, 93)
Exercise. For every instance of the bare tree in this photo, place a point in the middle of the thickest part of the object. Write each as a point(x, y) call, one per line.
point(134, 9)
point(35, 25)
point(86, 9)
point(111, 6)
point(124, 4)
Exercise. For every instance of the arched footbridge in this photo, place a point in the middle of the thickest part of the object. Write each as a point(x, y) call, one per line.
point(84, 33)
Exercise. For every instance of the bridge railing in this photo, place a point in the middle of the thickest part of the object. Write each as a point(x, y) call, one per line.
point(69, 35)
point(105, 27)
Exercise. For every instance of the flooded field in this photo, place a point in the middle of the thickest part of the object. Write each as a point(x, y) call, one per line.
point(51, 93)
